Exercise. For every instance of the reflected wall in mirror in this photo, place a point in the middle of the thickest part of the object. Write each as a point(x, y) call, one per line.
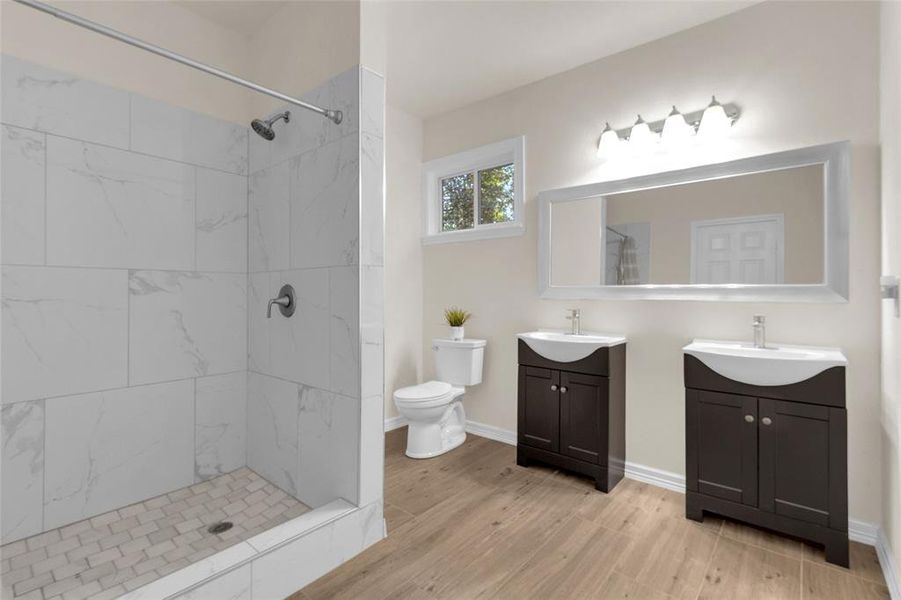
point(766, 228)
point(762, 228)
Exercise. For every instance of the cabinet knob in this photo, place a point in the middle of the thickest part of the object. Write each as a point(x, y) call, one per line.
point(749, 418)
point(766, 421)
point(563, 390)
point(553, 387)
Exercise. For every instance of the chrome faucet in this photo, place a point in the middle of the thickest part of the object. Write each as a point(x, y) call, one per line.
point(759, 325)
point(575, 315)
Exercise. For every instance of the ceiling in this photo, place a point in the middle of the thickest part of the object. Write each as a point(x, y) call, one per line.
point(242, 16)
point(443, 54)
point(446, 54)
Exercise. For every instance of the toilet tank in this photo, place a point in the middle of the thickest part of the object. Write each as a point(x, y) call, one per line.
point(459, 362)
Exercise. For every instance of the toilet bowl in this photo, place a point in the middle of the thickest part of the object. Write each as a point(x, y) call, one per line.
point(434, 409)
point(434, 412)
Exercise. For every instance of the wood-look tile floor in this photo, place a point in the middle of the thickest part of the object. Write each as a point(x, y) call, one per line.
point(471, 524)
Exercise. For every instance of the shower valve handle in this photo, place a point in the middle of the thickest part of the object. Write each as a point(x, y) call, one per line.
point(285, 301)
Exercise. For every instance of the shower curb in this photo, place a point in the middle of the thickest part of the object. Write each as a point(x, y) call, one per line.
point(280, 544)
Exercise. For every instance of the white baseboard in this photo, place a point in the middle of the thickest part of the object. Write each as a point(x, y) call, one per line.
point(491, 432)
point(887, 562)
point(863, 532)
point(658, 477)
point(858, 531)
point(395, 423)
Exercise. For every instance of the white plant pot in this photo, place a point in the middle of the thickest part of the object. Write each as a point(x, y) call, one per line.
point(457, 333)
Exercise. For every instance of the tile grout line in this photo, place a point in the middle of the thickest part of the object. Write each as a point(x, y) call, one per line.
point(43, 465)
point(845, 571)
point(194, 216)
point(46, 168)
point(716, 545)
point(44, 400)
point(152, 269)
point(248, 309)
point(124, 387)
point(195, 432)
point(131, 99)
point(128, 329)
point(121, 149)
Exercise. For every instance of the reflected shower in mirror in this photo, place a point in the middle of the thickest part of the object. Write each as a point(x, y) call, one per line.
point(764, 228)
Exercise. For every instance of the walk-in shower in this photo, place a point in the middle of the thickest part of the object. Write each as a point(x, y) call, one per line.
point(146, 399)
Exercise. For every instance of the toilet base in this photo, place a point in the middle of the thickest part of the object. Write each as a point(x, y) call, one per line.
point(430, 439)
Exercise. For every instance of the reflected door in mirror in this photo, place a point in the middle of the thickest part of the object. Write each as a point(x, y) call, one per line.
point(743, 250)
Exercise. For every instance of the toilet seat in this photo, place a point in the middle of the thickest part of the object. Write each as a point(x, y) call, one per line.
point(426, 395)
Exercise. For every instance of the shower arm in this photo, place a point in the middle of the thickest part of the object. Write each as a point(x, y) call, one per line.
point(335, 116)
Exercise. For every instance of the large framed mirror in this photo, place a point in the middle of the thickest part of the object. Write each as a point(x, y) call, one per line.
point(770, 228)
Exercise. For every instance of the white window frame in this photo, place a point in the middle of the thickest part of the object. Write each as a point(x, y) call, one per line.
point(472, 161)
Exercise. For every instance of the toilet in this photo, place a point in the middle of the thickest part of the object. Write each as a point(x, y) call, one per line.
point(434, 409)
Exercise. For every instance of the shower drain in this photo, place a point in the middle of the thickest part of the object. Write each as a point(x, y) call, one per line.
point(220, 527)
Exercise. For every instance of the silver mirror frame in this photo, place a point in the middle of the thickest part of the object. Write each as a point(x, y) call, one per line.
point(835, 159)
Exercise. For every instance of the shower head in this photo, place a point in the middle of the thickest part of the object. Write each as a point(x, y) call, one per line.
point(263, 127)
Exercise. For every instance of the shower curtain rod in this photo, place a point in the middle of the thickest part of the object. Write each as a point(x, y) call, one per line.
point(611, 229)
point(333, 115)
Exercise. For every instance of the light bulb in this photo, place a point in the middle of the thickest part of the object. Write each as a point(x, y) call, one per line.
point(676, 132)
point(641, 137)
point(608, 144)
point(714, 123)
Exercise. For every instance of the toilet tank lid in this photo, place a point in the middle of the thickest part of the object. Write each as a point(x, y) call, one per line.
point(465, 343)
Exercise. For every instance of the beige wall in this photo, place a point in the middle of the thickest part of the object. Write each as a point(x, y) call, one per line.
point(804, 73)
point(891, 264)
point(403, 251)
point(797, 194)
point(295, 50)
point(45, 40)
point(303, 45)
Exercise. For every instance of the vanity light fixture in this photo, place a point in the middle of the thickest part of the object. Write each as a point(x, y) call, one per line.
point(673, 132)
point(641, 136)
point(715, 122)
point(609, 143)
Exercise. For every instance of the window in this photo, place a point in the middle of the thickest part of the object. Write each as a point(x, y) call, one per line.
point(475, 194)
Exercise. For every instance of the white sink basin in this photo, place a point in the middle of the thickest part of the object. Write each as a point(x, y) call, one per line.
point(774, 365)
point(566, 347)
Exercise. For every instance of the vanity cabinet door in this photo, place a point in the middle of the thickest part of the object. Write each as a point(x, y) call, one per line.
point(721, 445)
point(539, 408)
point(583, 407)
point(803, 464)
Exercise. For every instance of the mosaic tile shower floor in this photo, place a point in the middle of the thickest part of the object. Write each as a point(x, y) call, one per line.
point(121, 550)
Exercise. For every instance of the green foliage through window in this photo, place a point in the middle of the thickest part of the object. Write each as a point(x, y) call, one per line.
point(495, 198)
point(496, 194)
point(456, 202)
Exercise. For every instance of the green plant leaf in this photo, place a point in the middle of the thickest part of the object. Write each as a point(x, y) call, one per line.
point(456, 317)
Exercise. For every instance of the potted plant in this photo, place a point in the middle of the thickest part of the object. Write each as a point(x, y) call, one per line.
point(456, 317)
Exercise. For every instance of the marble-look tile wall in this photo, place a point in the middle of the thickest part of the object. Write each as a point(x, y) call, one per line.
point(316, 221)
point(372, 297)
point(140, 245)
point(124, 297)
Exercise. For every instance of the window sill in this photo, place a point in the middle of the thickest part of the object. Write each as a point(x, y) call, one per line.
point(469, 235)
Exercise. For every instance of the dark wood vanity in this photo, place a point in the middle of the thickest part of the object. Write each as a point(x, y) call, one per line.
point(772, 456)
point(572, 415)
